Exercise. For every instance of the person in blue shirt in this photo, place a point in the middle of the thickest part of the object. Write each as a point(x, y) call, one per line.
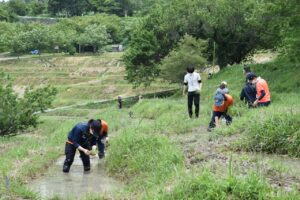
point(81, 137)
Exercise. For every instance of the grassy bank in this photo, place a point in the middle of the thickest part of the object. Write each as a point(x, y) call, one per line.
point(159, 153)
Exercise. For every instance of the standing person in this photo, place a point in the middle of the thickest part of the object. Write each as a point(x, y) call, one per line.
point(192, 83)
point(223, 89)
point(263, 96)
point(220, 108)
point(80, 137)
point(248, 94)
point(120, 102)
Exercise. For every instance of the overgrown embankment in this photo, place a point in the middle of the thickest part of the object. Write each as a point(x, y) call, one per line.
point(231, 171)
point(162, 154)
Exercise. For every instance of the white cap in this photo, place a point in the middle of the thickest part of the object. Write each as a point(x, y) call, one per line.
point(224, 82)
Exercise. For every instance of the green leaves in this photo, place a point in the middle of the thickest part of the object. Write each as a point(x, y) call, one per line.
point(94, 35)
point(188, 51)
point(18, 113)
point(141, 57)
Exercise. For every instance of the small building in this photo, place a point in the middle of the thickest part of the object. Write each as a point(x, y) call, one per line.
point(117, 47)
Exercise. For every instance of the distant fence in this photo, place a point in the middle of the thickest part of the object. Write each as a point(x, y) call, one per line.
point(44, 20)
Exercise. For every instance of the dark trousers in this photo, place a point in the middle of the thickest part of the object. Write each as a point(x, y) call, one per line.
point(193, 97)
point(101, 147)
point(215, 114)
point(264, 104)
point(70, 151)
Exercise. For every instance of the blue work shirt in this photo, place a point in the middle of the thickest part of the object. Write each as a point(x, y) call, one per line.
point(80, 136)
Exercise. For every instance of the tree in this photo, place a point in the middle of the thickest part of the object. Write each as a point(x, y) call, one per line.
point(36, 37)
point(236, 27)
point(94, 35)
point(141, 57)
point(5, 14)
point(7, 30)
point(68, 7)
point(189, 51)
point(37, 7)
point(18, 6)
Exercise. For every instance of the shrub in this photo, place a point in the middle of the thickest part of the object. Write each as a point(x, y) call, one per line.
point(18, 113)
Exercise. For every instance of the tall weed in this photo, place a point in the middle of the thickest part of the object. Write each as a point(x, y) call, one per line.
point(273, 133)
point(134, 156)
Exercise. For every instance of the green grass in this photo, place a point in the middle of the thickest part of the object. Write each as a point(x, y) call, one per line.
point(143, 160)
point(79, 79)
point(273, 133)
point(27, 154)
point(208, 186)
point(144, 151)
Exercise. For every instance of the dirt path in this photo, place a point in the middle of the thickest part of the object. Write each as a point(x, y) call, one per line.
point(202, 149)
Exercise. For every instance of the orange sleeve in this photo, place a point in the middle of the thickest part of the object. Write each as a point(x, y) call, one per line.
point(259, 88)
point(104, 128)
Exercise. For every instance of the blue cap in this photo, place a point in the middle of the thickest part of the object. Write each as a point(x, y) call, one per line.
point(96, 127)
point(251, 76)
point(219, 99)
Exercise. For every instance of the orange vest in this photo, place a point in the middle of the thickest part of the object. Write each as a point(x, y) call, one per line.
point(104, 127)
point(226, 103)
point(261, 84)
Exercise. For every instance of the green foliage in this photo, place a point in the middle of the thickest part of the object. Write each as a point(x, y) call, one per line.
point(7, 31)
point(208, 186)
point(188, 51)
point(37, 7)
point(68, 7)
point(135, 155)
point(19, 113)
point(274, 133)
point(33, 37)
point(68, 34)
point(94, 35)
point(291, 31)
point(141, 57)
point(5, 14)
point(18, 7)
point(236, 28)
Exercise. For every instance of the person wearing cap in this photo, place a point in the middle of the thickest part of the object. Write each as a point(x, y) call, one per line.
point(192, 83)
point(80, 137)
point(102, 139)
point(220, 108)
point(263, 96)
point(248, 94)
point(223, 88)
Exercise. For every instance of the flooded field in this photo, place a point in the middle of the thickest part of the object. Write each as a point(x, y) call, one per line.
point(76, 183)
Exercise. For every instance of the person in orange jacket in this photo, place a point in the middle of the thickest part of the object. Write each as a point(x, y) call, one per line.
point(220, 108)
point(102, 139)
point(263, 96)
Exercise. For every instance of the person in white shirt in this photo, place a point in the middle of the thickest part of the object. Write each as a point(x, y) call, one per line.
point(192, 84)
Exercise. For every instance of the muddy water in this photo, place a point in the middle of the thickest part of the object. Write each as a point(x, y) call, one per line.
point(76, 183)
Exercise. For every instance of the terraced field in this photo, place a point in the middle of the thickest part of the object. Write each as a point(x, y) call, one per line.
point(79, 79)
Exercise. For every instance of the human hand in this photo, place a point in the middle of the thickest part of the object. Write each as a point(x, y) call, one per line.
point(255, 103)
point(94, 150)
point(87, 152)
